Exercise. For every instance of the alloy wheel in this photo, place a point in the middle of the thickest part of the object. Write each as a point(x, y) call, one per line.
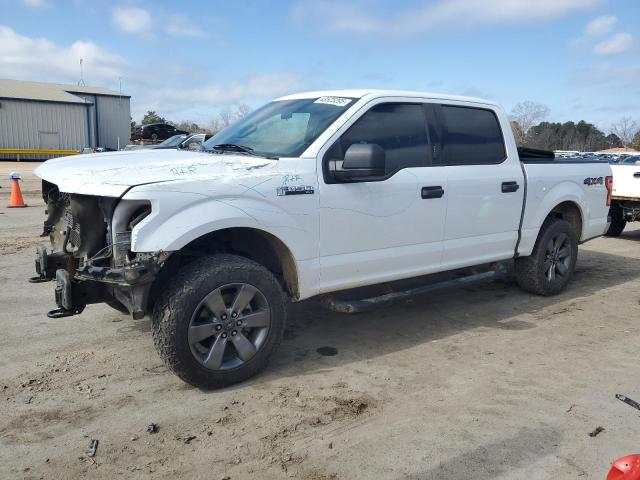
point(229, 326)
point(557, 259)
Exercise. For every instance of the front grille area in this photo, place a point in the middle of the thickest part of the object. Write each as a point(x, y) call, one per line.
point(72, 229)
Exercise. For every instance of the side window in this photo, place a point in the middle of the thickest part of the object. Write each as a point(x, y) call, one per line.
point(471, 136)
point(399, 128)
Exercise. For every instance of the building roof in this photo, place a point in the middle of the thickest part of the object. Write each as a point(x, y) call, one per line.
point(50, 92)
point(374, 93)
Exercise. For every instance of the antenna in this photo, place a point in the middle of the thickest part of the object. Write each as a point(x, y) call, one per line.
point(81, 81)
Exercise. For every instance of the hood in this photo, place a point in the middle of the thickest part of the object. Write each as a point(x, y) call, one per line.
point(112, 174)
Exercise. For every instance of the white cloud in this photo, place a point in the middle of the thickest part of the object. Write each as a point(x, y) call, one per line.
point(133, 20)
point(205, 99)
point(35, 3)
point(179, 26)
point(138, 21)
point(601, 25)
point(42, 60)
point(618, 43)
point(336, 15)
point(607, 74)
point(166, 88)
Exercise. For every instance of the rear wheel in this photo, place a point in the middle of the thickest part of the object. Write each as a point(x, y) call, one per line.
point(616, 227)
point(551, 264)
point(219, 321)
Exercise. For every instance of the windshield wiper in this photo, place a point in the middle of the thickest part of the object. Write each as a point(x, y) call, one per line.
point(232, 147)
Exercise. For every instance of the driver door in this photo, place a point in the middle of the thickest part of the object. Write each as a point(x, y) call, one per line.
point(373, 231)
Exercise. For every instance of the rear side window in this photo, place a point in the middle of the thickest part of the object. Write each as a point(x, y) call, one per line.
point(399, 128)
point(472, 136)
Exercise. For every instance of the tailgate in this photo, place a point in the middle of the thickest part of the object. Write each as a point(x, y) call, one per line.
point(626, 181)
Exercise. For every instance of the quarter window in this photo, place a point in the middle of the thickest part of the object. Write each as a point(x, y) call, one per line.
point(399, 128)
point(472, 136)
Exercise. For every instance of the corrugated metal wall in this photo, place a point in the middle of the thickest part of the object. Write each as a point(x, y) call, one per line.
point(32, 124)
point(90, 118)
point(114, 121)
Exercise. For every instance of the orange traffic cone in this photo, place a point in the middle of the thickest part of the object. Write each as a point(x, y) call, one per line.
point(15, 200)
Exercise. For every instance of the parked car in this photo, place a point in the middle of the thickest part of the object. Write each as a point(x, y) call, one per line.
point(312, 194)
point(188, 141)
point(195, 141)
point(625, 199)
point(630, 160)
point(156, 131)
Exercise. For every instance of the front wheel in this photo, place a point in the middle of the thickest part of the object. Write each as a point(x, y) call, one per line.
point(551, 264)
point(219, 321)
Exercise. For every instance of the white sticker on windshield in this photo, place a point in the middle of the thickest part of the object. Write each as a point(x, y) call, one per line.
point(337, 101)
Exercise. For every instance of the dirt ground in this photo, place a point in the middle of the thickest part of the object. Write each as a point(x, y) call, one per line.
point(484, 382)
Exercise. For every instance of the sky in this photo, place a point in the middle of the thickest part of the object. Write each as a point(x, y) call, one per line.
point(189, 60)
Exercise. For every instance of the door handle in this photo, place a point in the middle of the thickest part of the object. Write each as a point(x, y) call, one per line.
point(432, 192)
point(509, 187)
point(636, 175)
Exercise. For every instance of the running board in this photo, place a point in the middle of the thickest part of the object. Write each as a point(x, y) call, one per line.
point(365, 304)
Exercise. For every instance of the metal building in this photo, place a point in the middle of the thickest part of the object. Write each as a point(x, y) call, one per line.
point(51, 116)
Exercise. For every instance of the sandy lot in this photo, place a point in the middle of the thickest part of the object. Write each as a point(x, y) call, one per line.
point(476, 383)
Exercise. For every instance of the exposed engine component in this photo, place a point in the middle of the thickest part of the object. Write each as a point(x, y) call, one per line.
point(75, 223)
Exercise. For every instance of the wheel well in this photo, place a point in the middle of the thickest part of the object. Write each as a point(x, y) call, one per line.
point(257, 245)
point(570, 212)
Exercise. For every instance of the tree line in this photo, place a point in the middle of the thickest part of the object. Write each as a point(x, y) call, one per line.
point(530, 130)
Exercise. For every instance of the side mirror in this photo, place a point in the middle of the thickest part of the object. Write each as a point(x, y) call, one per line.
point(361, 160)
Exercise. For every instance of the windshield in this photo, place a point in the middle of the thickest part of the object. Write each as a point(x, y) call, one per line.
point(282, 128)
point(172, 141)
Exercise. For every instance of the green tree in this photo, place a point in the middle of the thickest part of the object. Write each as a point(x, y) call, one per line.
point(152, 117)
point(581, 136)
point(613, 141)
point(189, 126)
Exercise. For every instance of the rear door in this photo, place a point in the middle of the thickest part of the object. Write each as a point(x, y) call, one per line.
point(485, 186)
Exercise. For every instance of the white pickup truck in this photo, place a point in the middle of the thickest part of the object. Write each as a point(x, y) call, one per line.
point(311, 194)
point(625, 198)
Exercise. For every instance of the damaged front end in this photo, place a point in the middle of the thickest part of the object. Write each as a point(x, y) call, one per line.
point(90, 257)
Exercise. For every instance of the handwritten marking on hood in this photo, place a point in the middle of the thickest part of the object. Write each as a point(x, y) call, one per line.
point(184, 171)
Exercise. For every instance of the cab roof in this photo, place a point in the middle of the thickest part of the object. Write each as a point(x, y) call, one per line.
point(374, 93)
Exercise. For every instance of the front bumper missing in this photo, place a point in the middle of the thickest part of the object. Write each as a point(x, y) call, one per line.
point(64, 297)
point(48, 264)
point(129, 285)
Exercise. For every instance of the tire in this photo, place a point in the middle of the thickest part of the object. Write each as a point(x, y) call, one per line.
point(117, 305)
point(210, 350)
point(550, 267)
point(154, 136)
point(616, 227)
